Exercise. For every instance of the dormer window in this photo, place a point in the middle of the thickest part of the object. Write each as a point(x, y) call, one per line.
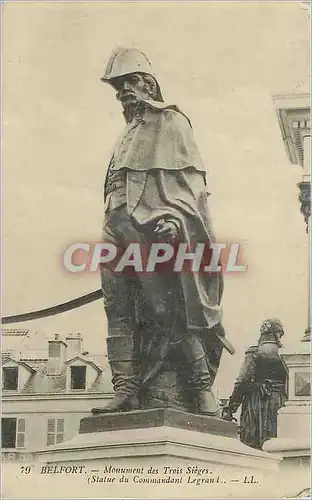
point(15, 374)
point(78, 377)
point(10, 378)
point(81, 373)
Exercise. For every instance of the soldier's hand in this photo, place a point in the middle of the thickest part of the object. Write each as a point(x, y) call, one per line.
point(166, 231)
point(227, 414)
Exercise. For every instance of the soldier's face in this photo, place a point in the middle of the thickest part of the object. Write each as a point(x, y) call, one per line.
point(131, 89)
point(279, 339)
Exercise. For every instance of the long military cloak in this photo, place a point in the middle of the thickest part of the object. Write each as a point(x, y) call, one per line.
point(166, 178)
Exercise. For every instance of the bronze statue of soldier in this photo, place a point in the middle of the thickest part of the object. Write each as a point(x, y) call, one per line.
point(155, 190)
point(260, 387)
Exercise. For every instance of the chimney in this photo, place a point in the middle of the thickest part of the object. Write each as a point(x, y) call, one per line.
point(74, 345)
point(56, 356)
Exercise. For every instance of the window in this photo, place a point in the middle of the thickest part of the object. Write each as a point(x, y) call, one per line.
point(10, 378)
point(13, 432)
point(55, 432)
point(8, 432)
point(78, 377)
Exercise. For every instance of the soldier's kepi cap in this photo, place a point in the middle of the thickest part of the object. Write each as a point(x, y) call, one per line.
point(124, 61)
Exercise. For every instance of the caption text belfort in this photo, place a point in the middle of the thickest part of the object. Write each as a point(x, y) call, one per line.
point(191, 474)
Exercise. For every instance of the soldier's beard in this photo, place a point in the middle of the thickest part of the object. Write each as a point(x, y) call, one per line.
point(132, 102)
point(131, 108)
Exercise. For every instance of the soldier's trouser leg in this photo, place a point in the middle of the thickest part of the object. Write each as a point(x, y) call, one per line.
point(200, 379)
point(119, 301)
point(119, 306)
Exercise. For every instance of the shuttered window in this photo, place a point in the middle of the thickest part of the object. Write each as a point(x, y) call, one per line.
point(20, 433)
point(13, 432)
point(55, 431)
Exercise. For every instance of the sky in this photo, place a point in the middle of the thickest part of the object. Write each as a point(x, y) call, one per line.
point(221, 62)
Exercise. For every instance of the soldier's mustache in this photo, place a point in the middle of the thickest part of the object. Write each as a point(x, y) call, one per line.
point(125, 95)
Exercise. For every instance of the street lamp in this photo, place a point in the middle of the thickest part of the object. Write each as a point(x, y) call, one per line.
point(305, 208)
point(305, 200)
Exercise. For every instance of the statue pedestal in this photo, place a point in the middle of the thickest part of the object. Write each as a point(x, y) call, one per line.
point(293, 430)
point(161, 453)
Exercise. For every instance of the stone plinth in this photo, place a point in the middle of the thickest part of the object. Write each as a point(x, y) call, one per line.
point(161, 453)
point(157, 417)
point(293, 429)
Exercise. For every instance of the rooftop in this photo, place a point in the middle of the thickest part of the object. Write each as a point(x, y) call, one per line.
point(40, 380)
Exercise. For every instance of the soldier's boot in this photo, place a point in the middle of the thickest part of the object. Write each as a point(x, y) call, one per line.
point(200, 379)
point(200, 382)
point(125, 378)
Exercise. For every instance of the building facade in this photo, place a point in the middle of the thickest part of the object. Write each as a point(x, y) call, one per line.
point(44, 397)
